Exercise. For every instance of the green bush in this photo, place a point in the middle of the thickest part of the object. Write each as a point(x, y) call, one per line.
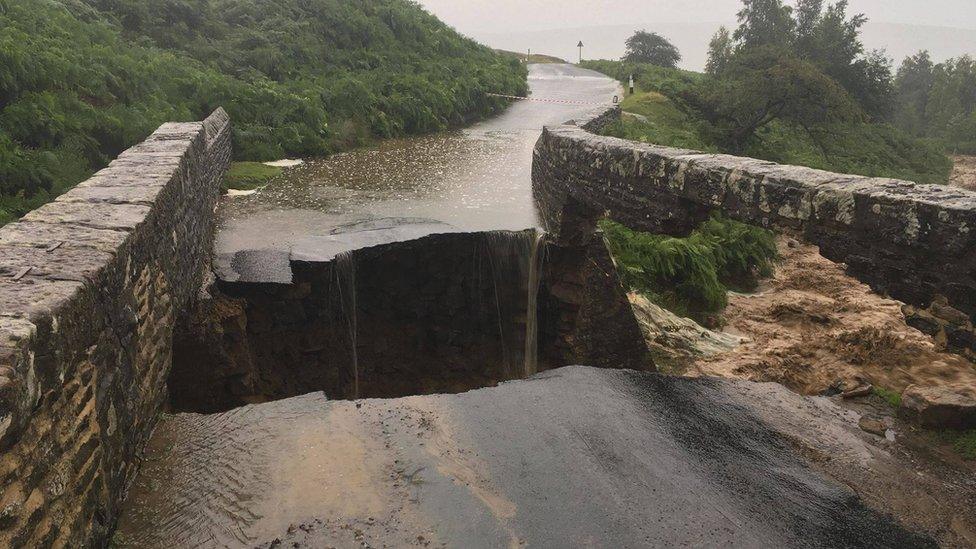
point(692, 276)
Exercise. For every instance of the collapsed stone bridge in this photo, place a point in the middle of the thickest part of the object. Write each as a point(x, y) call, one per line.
point(916, 243)
point(96, 287)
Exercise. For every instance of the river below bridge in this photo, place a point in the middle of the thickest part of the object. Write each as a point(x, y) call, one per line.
point(475, 179)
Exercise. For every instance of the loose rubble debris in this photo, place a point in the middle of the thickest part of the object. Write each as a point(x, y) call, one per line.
point(964, 172)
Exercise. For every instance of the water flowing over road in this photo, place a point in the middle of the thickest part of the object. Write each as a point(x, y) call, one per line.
point(576, 457)
point(475, 179)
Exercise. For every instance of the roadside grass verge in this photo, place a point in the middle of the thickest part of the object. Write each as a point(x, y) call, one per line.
point(247, 176)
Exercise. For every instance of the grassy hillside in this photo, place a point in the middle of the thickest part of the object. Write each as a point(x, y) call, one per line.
point(81, 80)
point(533, 58)
point(860, 148)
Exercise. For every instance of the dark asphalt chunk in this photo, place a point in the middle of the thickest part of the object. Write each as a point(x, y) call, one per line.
point(628, 459)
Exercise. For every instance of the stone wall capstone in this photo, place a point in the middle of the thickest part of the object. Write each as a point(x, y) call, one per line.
point(914, 242)
point(91, 288)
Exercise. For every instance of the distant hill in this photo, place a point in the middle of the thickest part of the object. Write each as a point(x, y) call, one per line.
point(533, 58)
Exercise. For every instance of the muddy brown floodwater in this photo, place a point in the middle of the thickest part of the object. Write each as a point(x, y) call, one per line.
point(964, 172)
point(812, 324)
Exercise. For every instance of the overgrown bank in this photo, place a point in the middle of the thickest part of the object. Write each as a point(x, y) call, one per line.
point(692, 276)
point(793, 83)
point(81, 80)
point(862, 148)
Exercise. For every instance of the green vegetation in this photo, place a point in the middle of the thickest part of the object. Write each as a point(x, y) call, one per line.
point(938, 101)
point(962, 442)
point(965, 444)
point(691, 276)
point(651, 48)
point(246, 176)
point(893, 398)
point(81, 80)
point(533, 58)
point(877, 150)
point(790, 85)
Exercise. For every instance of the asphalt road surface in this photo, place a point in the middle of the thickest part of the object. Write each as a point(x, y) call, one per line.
point(575, 457)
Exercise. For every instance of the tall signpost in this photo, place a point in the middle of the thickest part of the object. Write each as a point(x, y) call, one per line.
point(580, 46)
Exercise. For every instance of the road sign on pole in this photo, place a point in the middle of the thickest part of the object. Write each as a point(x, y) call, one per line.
point(580, 46)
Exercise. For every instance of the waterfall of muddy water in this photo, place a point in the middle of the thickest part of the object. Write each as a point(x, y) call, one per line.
point(346, 282)
point(513, 263)
point(532, 305)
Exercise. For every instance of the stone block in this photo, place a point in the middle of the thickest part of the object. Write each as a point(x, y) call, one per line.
point(939, 408)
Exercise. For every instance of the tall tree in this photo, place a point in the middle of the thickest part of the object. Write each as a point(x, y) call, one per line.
point(914, 83)
point(763, 85)
point(720, 51)
point(765, 23)
point(807, 16)
point(650, 47)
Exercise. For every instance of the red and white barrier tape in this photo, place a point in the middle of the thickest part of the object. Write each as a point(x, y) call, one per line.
point(545, 100)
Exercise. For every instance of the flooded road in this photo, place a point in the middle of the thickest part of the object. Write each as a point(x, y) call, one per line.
point(474, 179)
point(575, 457)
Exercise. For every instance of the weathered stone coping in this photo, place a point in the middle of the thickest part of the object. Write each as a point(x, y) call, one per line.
point(911, 241)
point(91, 287)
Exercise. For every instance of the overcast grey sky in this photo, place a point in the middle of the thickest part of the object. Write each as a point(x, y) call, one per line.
point(947, 28)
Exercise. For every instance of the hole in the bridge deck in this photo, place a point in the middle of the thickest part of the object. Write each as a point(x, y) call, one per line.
point(444, 313)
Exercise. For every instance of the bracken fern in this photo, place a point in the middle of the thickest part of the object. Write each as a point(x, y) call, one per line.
point(692, 275)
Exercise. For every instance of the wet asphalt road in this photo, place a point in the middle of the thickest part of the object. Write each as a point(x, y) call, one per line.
point(576, 457)
point(476, 179)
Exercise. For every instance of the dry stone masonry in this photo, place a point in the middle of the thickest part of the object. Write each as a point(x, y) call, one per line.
point(92, 286)
point(916, 243)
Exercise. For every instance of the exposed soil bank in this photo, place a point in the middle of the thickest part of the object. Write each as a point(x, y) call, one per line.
point(443, 313)
point(811, 325)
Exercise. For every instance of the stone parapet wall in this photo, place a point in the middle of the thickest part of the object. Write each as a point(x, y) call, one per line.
point(913, 242)
point(92, 286)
